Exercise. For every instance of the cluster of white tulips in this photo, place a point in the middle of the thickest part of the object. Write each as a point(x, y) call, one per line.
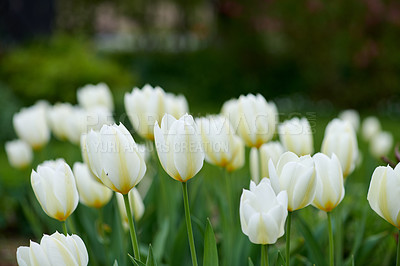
point(286, 174)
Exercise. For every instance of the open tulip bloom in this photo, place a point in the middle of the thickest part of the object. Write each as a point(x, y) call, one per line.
point(181, 154)
point(263, 214)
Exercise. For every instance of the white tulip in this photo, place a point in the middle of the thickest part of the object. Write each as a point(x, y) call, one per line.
point(270, 151)
point(176, 105)
point(296, 175)
point(91, 192)
point(218, 139)
point(383, 193)
point(254, 159)
point(57, 117)
point(19, 153)
point(340, 139)
point(370, 127)
point(330, 188)
point(381, 144)
point(352, 116)
point(296, 136)
point(179, 147)
point(76, 125)
point(238, 159)
point(114, 158)
point(55, 189)
point(136, 204)
point(55, 249)
point(230, 110)
point(97, 117)
point(31, 126)
point(256, 119)
point(263, 213)
point(91, 96)
point(144, 107)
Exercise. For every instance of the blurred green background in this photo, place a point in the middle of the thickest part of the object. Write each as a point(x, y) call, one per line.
point(311, 57)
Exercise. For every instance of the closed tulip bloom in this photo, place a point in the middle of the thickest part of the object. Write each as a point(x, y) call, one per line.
point(91, 192)
point(55, 189)
point(114, 158)
point(76, 125)
point(381, 144)
point(383, 193)
point(176, 105)
point(370, 127)
point(144, 107)
point(340, 139)
point(179, 147)
point(352, 116)
point(19, 153)
point(263, 212)
point(296, 175)
point(56, 249)
point(57, 117)
point(97, 117)
point(137, 207)
point(296, 136)
point(330, 189)
point(238, 159)
point(256, 119)
point(270, 151)
point(91, 96)
point(230, 110)
point(218, 139)
point(31, 126)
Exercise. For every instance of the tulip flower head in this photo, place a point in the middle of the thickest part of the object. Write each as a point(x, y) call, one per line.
point(270, 151)
point(30, 124)
point(383, 193)
point(114, 158)
point(144, 107)
point(330, 189)
point(19, 153)
point(56, 249)
point(263, 212)
point(352, 116)
point(91, 96)
point(381, 144)
point(176, 105)
point(238, 159)
point(370, 127)
point(91, 192)
point(54, 185)
point(296, 136)
point(179, 146)
point(340, 138)
point(296, 175)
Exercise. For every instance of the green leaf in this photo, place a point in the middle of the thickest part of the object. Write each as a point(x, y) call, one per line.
point(251, 262)
point(135, 261)
point(210, 246)
point(160, 239)
point(151, 261)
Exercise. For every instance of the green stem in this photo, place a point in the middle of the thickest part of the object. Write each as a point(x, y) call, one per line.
point(189, 223)
point(64, 226)
point(228, 194)
point(264, 255)
point(331, 247)
point(134, 240)
point(398, 250)
point(288, 225)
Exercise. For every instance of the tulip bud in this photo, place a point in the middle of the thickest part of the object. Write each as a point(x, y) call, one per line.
point(76, 125)
point(91, 96)
point(254, 160)
point(230, 111)
point(256, 119)
point(176, 105)
point(263, 213)
point(351, 116)
point(381, 144)
point(55, 189)
point(296, 176)
point(56, 249)
point(296, 136)
point(137, 207)
point(91, 192)
point(218, 139)
point(370, 127)
point(19, 153)
point(340, 138)
point(383, 193)
point(144, 107)
point(57, 117)
point(330, 189)
point(270, 151)
point(179, 147)
point(237, 155)
point(31, 126)
point(114, 158)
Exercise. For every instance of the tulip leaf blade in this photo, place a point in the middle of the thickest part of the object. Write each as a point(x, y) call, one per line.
point(251, 262)
point(210, 246)
point(151, 261)
point(135, 261)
